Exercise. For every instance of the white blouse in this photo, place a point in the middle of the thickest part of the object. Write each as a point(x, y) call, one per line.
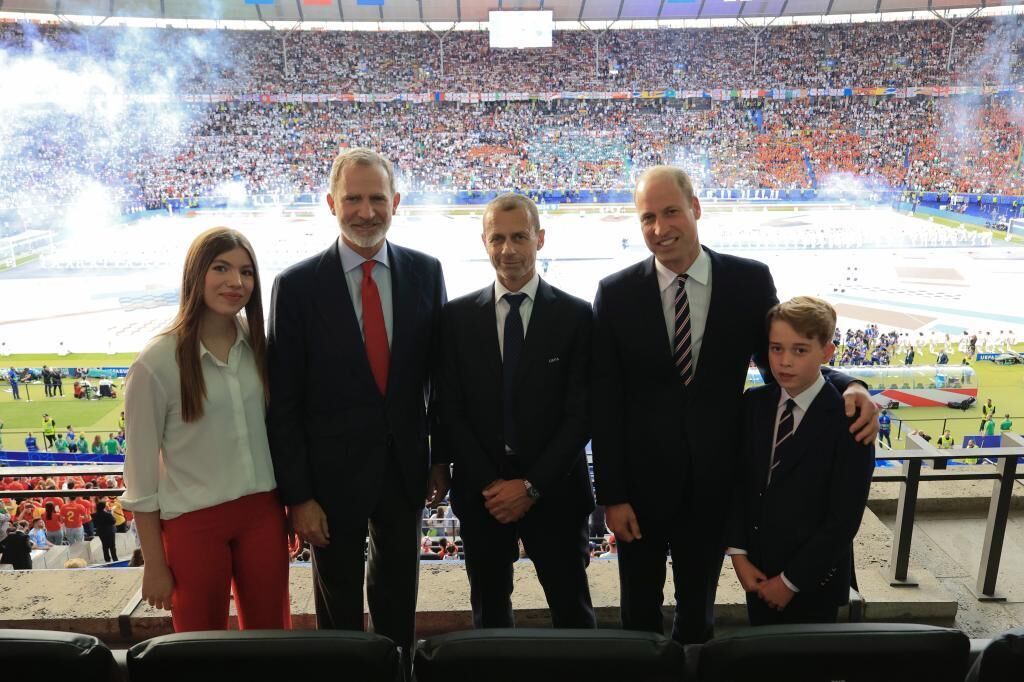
point(175, 467)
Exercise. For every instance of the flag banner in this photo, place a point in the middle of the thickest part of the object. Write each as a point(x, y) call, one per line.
point(259, 2)
point(718, 94)
point(315, 3)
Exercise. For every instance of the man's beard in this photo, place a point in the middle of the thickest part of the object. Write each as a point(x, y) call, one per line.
point(365, 239)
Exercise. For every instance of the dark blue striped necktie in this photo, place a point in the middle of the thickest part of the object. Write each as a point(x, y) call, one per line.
point(682, 347)
point(782, 434)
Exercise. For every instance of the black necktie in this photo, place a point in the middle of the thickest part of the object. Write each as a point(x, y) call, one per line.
point(782, 434)
point(682, 351)
point(510, 361)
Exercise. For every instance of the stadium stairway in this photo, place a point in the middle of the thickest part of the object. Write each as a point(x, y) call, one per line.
point(810, 168)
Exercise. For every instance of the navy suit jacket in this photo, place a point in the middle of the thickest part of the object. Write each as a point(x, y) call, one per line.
point(804, 522)
point(551, 398)
point(328, 424)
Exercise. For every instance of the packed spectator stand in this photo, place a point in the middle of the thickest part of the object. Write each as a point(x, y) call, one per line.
point(258, 111)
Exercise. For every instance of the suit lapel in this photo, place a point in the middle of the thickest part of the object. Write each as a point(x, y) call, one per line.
point(540, 324)
point(339, 316)
point(716, 322)
point(405, 288)
point(764, 432)
point(651, 316)
point(486, 332)
point(814, 423)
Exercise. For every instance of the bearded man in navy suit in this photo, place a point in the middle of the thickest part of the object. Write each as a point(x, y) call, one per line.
point(353, 359)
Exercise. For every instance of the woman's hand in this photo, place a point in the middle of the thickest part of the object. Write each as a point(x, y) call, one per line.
point(157, 585)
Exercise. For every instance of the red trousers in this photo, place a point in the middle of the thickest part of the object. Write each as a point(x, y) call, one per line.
point(240, 546)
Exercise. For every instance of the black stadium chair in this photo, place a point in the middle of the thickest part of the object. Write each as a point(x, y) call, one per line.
point(265, 656)
point(28, 654)
point(852, 652)
point(1002, 660)
point(514, 655)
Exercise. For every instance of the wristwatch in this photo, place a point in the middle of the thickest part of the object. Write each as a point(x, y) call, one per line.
point(531, 492)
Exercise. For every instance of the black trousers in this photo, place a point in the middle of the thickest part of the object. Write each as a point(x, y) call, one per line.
point(391, 569)
point(109, 541)
point(556, 541)
point(696, 564)
point(803, 608)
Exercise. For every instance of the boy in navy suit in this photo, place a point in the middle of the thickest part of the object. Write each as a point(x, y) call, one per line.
point(804, 480)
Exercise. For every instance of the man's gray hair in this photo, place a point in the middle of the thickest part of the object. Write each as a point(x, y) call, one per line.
point(360, 156)
point(511, 202)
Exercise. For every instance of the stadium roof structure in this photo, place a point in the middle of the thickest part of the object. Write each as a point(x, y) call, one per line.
point(477, 10)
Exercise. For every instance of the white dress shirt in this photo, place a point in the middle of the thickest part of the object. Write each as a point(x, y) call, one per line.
point(175, 467)
point(803, 402)
point(501, 307)
point(698, 292)
point(352, 264)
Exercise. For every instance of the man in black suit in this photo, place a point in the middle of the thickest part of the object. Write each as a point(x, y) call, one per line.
point(673, 337)
point(351, 454)
point(515, 404)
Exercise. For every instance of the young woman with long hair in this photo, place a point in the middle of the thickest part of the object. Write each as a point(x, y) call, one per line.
point(198, 474)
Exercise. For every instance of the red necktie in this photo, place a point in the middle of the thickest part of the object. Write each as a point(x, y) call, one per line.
point(374, 331)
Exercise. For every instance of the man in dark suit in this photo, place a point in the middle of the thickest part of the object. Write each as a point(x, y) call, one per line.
point(352, 354)
point(673, 337)
point(515, 404)
point(804, 480)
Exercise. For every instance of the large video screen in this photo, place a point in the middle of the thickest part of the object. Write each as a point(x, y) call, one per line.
point(521, 29)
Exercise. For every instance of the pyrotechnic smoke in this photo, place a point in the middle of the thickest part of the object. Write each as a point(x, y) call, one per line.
point(85, 111)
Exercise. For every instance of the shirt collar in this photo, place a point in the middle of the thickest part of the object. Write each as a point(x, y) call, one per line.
point(698, 271)
point(241, 337)
point(530, 289)
point(350, 260)
point(804, 400)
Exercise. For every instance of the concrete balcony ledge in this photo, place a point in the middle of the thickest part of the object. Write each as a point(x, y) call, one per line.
point(100, 601)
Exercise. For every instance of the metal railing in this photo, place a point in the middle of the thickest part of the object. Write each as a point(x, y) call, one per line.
point(917, 451)
point(899, 422)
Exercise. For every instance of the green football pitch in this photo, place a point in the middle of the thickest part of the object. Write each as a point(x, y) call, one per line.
point(1004, 384)
point(92, 416)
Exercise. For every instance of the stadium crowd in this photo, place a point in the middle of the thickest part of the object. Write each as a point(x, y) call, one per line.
point(896, 54)
point(148, 152)
point(66, 512)
point(282, 149)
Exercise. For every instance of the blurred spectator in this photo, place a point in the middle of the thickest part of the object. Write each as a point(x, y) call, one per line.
point(16, 548)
